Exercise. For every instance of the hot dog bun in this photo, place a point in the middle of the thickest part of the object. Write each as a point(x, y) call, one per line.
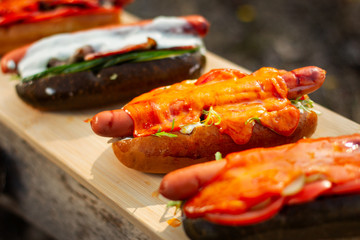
point(162, 154)
point(17, 35)
point(86, 89)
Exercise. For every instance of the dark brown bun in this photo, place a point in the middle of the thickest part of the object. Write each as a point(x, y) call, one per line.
point(164, 154)
point(330, 217)
point(110, 85)
point(19, 34)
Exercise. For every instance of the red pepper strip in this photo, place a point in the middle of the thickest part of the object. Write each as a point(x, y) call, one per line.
point(150, 44)
point(347, 187)
point(247, 218)
point(75, 3)
point(310, 192)
point(17, 17)
point(11, 6)
point(197, 26)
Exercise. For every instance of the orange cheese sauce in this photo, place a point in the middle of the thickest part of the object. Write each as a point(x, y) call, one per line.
point(174, 222)
point(234, 95)
point(253, 176)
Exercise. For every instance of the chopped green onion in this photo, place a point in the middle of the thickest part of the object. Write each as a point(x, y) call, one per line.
point(211, 115)
point(218, 156)
point(164, 134)
point(304, 105)
point(176, 204)
point(173, 124)
point(252, 119)
point(160, 133)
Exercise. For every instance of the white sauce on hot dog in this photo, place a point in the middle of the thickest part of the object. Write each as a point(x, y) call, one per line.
point(166, 31)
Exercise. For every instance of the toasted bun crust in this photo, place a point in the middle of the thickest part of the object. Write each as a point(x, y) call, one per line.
point(163, 154)
point(110, 85)
point(17, 35)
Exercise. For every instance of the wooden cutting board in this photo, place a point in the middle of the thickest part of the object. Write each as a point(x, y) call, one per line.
point(66, 140)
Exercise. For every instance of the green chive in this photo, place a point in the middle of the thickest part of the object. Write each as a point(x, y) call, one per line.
point(218, 156)
point(97, 64)
point(173, 124)
point(164, 134)
point(252, 119)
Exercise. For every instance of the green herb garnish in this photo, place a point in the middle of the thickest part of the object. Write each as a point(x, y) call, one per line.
point(176, 204)
point(211, 117)
point(218, 156)
point(304, 104)
point(173, 124)
point(163, 134)
point(97, 64)
point(252, 119)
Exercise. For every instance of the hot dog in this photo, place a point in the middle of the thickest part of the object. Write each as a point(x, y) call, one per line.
point(117, 123)
point(219, 92)
point(22, 22)
point(303, 190)
point(107, 65)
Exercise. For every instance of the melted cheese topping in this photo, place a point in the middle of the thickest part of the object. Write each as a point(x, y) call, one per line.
point(168, 32)
point(234, 96)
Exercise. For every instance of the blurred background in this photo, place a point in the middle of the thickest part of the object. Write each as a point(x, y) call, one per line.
point(282, 34)
point(256, 33)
